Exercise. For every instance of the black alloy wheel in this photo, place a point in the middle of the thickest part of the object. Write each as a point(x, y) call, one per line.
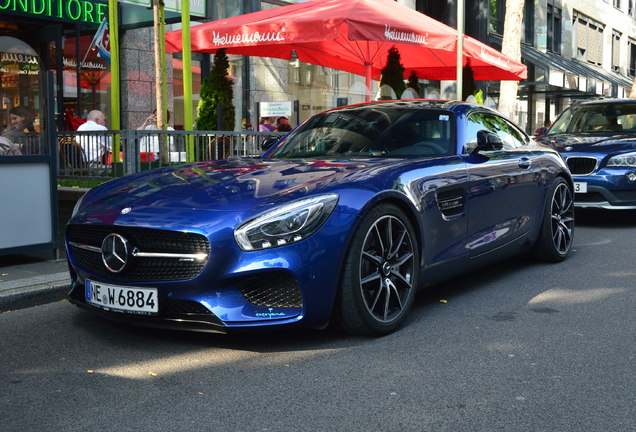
point(380, 273)
point(557, 230)
point(562, 216)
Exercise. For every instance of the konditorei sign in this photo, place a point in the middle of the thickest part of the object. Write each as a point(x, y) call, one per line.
point(85, 11)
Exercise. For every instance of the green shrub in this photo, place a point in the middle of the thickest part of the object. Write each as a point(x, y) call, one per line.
point(393, 72)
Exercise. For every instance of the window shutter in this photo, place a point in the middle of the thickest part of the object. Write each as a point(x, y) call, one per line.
point(581, 34)
point(599, 45)
point(616, 52)
point(592, 44)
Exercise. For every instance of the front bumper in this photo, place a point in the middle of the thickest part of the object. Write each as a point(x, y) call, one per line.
point(603, 198)
point(175, 315)
point(235, 290)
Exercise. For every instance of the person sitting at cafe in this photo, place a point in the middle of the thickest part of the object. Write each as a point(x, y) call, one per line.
point(267, 124)
point(282, 124)
point(96, 147)
point(21, 130)
point(150, 143)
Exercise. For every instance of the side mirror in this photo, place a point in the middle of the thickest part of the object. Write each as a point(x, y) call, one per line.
point(488, 141)
point(268, 142)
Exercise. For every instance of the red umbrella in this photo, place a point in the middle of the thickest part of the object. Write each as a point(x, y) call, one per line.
point(353, 36)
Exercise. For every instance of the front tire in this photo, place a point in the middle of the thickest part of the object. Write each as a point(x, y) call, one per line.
point(557, 228)
point(379, 277)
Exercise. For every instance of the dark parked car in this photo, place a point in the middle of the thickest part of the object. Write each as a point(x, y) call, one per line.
point(597, 140)
point(343, 220)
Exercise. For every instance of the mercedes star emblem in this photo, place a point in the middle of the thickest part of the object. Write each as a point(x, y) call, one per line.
point(115, 252)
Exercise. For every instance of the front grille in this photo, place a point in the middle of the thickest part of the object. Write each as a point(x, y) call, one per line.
point(590, 197)
point(581, 165)
point(272, 290)
point(145, 240)
point(626, 195)
point(183, 307)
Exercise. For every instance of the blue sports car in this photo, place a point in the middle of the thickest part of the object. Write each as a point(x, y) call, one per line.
point(341, 221)
point(597, 140)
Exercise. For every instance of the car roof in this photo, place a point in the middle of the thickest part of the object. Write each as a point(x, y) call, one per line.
point(458, 107)
point(605, 101)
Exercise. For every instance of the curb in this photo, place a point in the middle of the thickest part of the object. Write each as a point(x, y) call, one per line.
point(34, 295)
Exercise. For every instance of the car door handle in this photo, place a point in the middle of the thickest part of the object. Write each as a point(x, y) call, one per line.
point(525, 163)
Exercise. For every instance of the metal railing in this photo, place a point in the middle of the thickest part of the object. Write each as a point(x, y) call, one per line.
point(90, 154)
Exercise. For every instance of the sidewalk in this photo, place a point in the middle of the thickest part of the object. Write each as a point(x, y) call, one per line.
point(32, 279)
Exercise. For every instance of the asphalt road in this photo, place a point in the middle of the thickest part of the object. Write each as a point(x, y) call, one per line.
point(517, 346)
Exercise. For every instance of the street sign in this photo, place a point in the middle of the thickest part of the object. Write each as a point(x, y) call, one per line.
point(276, 109)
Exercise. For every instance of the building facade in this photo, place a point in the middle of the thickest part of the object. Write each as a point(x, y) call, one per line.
point(573, 50)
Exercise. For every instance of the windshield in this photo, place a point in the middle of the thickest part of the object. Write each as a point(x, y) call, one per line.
point(369, 131)
point(619, 117)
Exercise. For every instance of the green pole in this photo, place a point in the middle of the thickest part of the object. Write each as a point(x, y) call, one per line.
point(115, 113)
point(162, 50)
point(186, 50)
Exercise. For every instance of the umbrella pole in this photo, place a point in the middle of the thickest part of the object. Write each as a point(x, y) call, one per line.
point(367, 69)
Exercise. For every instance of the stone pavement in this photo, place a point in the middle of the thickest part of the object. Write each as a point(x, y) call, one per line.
point(32, 279)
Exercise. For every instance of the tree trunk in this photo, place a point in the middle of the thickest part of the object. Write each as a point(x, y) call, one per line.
point(158, 14)
point(511, 46)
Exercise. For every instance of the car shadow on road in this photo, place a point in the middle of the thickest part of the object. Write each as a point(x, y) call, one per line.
point(289, 340)
point(257, 340)
point(605, 218)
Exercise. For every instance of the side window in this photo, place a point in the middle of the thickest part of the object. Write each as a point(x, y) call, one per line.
point(473, 125)
point(511, 136)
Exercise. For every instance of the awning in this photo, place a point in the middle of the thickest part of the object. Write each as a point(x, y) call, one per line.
point(573, 74)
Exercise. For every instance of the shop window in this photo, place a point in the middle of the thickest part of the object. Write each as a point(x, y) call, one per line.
point(21, 99)
point(86, 81)
point(617, 4)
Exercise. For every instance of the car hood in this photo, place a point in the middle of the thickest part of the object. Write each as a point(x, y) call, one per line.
point(591, 143)
point(235, 185)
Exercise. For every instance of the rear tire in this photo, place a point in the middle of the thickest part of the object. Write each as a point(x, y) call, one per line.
point(379, 276)
point(557, 228)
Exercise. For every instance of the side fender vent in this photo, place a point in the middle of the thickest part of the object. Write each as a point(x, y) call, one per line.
point(451, 202)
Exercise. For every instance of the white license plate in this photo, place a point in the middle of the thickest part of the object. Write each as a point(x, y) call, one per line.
point(122, 298)
point(580, 187)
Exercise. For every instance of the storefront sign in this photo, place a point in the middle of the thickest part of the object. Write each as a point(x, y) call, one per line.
point(276, 109)
point(19, 64)
point(71, 64)
point(86, 11)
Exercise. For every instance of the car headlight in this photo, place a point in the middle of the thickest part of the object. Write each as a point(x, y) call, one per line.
point(286, 224)
point(623, 160)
